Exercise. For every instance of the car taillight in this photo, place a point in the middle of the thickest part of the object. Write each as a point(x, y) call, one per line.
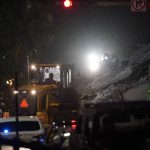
point(73, 124)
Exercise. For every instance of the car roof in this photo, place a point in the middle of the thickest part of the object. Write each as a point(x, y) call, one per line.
point(21, 118)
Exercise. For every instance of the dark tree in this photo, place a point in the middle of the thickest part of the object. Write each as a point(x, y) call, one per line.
point(26, 26)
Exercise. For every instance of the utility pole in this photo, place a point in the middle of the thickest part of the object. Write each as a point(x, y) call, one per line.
point(28, 69)
point(16, 104)
point(16, 101)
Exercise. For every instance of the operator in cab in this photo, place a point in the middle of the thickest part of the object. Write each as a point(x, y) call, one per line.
point(50, 80)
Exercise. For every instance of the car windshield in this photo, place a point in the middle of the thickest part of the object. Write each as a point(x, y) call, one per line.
point(23, 126)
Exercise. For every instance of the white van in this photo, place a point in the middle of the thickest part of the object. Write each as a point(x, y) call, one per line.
point(29, 127)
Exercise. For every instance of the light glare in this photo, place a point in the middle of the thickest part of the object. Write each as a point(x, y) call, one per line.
point(106, 57)
point(6, 131)
point(23, 148)
point(93, 60)
point(73, 121)
point(57, 66)
point(94, 67)
point(67, 3)
point(67, 134)
point(33, 92)
point(33, 67)
point(16, 92)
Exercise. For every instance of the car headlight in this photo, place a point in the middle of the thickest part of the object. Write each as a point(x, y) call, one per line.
point(39, 138)
point(67, 134)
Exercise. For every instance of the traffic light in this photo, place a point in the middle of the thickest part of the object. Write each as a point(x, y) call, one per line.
point(67, 3)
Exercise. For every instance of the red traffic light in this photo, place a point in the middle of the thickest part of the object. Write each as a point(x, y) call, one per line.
point(67, 3)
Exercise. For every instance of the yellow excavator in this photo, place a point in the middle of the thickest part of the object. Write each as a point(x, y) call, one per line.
point(50, 94)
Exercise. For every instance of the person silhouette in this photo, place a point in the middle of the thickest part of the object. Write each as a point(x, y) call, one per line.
point(50, 80)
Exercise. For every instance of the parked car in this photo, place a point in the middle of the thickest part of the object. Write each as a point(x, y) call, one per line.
point(29, 128)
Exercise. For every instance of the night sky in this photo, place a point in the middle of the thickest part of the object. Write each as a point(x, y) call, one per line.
point(102, 29)
point(67, 36)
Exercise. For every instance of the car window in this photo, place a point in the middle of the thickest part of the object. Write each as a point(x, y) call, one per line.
point(23, 126)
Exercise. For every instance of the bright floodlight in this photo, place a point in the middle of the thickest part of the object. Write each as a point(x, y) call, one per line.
point(106, 57)
point(33, 92)
point(94, 67)
point(33, 67)
point(57, 66)
point(93, 60)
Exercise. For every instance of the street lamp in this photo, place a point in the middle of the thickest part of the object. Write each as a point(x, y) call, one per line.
point(33, 73)
point(33, 67)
